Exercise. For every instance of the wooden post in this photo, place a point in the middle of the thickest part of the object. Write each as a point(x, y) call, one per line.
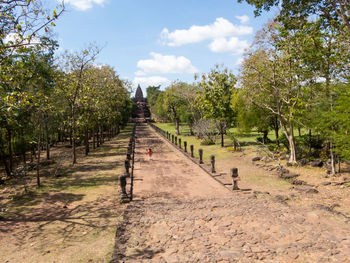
point(180, 143)
point(191, 147)
point(176, 140)
point(185, 146)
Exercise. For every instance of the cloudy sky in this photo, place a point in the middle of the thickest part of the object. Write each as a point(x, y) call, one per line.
point(155, 42)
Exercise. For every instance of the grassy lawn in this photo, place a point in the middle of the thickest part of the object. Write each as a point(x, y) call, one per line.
point(219, 152)
point(71, 218)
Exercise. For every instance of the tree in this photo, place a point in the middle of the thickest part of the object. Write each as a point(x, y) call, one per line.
point(22, 22)
point(296, 12)
point(272, 78)
point(174, 103)
point(216, 91)
point(73, 84)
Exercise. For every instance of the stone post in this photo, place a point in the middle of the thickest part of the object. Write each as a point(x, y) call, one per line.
point(127, 167)
point(176, 140)
point(235, 178)
point(185, 146)
point(122, 182)
point(212, 160)
point(191, 147)
point(180, 143)
point(200, 152)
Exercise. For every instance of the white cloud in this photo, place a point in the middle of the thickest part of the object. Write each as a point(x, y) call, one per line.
point(229, 45)
point(219, 29)
point(140, 73)
point(151, 81)
point(243, 19)
point(166, 64)
point(84, 4)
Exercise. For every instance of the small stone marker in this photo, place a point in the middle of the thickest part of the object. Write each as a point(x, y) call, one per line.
point(127, 166)
point(200, 152)
point(235, 178)
point(191, 147)
point(122, 181)
point(185, 146)
point(212, 161)
point(180, 143)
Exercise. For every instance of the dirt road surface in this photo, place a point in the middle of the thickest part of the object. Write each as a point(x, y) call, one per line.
point(181, 214)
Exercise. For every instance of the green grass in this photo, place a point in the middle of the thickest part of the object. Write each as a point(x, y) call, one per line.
point(219, 152)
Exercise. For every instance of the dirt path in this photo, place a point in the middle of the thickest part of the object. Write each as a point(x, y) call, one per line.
point(180, 214)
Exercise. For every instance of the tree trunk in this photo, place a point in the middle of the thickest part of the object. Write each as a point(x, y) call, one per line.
point(265, 133)
point(23, 143)
point(299, 131)
point(332, 158)
point(3, 159)
point(47, 143)
point(310, 142)
point(93, 139)
point(177, 125)
point(290, 137)
point(98, 137)
point(73, 136)
point(222, 131)
point(9, 145)
point(38, 159)
point(276, 132)
point(86, 141)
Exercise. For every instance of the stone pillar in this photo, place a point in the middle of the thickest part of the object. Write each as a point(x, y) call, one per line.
point(235, 178)
point(191, 147)
point(127, 167)
point(212, 161)
point(185, 146)
point(180, 143)
point(200, 152)
point(176, 140)
point(122, 182)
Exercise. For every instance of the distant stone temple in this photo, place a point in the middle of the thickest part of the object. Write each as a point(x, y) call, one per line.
point(139, 95)
point(141, 110)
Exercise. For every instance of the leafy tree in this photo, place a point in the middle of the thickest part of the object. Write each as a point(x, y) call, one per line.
point(174, 103)
point(296, 12)
point(22, 22)
point(216, 91)
point(73, 84)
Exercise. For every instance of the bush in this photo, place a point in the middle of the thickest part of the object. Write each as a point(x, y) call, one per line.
point(302, 145)
point(207, 142)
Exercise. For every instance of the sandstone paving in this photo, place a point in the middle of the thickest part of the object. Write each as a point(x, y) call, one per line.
point(180, 214)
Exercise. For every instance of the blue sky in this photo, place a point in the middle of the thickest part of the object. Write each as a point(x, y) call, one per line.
point(151, 42)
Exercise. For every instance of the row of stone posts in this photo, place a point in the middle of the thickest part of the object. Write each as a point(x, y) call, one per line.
point(178, 142)
point(129, 169)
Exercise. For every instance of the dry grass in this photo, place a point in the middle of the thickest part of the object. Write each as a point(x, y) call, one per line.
point(72, 218)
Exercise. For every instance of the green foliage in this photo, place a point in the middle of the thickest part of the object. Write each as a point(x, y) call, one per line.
point(217, 89)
